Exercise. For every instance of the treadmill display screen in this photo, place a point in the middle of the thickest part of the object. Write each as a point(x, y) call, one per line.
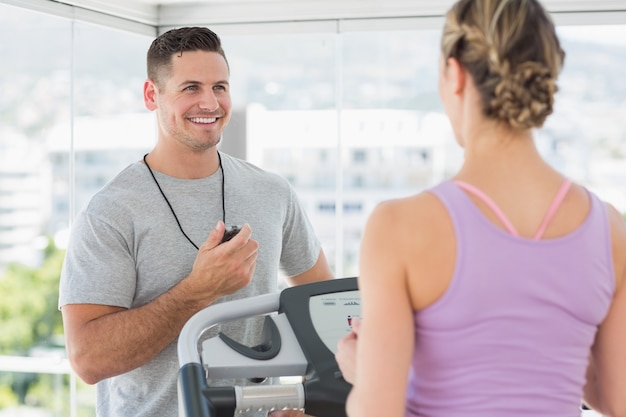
point(332, 315)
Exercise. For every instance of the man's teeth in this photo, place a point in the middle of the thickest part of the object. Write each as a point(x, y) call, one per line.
point(203, 119)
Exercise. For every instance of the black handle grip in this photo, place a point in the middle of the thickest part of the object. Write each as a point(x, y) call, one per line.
point(193, 383)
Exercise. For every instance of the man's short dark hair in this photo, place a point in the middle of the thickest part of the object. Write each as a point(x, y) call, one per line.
point(177, 41)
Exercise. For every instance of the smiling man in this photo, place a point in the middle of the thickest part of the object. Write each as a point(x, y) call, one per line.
point(147, 253)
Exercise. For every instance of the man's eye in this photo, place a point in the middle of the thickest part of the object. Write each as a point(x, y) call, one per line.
point(191, 88)
point(219, 87)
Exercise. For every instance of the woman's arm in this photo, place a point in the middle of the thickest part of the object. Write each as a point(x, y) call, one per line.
point(386, 331)
point(606, 376)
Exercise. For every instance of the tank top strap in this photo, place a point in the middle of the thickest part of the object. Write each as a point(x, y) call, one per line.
point(490, 203)
point(554, 206)
point(556, 203)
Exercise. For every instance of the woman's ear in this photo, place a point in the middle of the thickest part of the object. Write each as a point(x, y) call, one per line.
point(456, 75)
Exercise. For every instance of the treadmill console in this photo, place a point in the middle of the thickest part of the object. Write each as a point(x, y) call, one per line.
point(332, 314)
point(320, 314)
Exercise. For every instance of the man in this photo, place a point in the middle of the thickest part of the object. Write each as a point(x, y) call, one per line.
point(146, 253)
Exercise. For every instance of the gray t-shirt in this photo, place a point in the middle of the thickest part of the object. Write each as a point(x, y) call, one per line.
point(126, 249)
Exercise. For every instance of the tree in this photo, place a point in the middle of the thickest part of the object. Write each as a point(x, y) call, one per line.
point(29, 316)
point(28, 304)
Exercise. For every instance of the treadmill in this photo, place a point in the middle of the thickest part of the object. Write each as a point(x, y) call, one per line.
point(300, 333)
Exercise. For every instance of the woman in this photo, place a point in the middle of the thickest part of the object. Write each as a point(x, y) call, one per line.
point(502, 291)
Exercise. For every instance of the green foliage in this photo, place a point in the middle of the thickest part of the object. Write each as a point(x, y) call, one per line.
point(7, 397)
point(29, 318)
point(28, 304)
point(50, 393)
point(44, 393)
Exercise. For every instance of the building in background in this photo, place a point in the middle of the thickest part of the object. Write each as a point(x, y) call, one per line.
point(24, 198)
point(342, 164)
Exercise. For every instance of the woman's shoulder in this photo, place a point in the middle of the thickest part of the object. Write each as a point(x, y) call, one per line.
point(421, 207)
point(418, 219)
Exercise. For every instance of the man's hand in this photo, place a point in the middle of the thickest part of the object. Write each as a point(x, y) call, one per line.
point(223, 268)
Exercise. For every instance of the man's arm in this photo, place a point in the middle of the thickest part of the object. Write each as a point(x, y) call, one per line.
point(104, 341)
point(318, 272)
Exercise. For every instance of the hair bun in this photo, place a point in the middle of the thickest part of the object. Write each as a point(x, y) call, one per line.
point(524, 96)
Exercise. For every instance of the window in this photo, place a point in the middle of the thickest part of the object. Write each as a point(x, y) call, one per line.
point(385, 131)
point(71, 93)
point(350, 119)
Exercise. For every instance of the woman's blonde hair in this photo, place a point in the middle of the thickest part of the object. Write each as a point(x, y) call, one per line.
point(511, 50)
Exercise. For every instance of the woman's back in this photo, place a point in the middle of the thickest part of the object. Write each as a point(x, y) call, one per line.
point(513, 325)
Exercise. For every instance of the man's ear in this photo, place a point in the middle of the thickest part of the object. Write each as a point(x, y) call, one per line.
point(149, 95)
point(457, 74)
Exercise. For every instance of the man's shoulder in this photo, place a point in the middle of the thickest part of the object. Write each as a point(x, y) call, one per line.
point(252, 172)
point(119, 190)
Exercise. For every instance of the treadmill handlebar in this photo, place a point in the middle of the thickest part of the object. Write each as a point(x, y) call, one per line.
point(216, 314)
point(192, 382)
point(233, 400)
point(269, 397)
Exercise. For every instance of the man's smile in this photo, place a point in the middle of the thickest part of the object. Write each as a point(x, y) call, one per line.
point(203, 120)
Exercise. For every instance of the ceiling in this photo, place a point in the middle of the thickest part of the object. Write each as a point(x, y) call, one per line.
point(170, 13)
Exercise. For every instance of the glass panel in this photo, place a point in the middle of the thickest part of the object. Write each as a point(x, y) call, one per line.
point(52, 70)
point(111, 127)
point(35, 80)
point(396, 141)
point(388, 133)
point(586, 137)
point(35, 85)
point(284, 96)
point(381, 136)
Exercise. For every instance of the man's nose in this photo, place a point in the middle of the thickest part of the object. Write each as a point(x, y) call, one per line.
point(209, 102)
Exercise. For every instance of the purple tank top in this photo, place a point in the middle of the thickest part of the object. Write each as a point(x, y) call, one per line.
point(511, 335)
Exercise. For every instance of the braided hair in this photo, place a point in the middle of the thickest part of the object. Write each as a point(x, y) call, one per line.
point(511, 50)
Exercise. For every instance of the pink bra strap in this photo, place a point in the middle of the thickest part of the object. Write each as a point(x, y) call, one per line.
point(489, 202)
point(556, 203)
